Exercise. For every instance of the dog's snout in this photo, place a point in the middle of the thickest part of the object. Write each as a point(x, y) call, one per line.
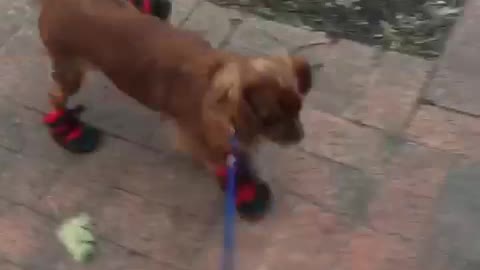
point(292, 133)
point(296, 134)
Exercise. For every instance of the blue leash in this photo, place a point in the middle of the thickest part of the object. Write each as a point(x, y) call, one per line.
point(230, 210)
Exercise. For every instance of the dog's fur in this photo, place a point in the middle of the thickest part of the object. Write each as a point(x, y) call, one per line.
point(207, 92)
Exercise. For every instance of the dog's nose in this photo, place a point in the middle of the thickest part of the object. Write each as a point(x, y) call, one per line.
point(294, 135)
point(298, 128)
point(301, 134)
point(298, 136)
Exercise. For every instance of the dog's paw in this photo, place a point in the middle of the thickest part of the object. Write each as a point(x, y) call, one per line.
point(254, 200)
point(85, 139)
point(71, 133)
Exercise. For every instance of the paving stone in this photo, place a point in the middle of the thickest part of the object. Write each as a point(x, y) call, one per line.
point(455, 84)
point(22, 131)
point(23, 56)
point(174, 181)
point(400, 216)
point(455, 243)
point(260, 36)
point(212, 22)
point(5, 206)
point(26, 42)
point(392, 92)
point(36, 141)
point(252, 243)
point(163, 137)
point(111, 257)
point(370, 250)
point(26, 179)
point(9, 266)
point(181, 9)
point(165, 234)
point(306, 175)
point(85, 179)
point(344, 79)
point(342, 141)
point(446, 130)
point(27, 239)
point(12, 14)
point(10, 126)
point(67, 198)
point(336, 188)
point(283, 240)
point(292, 245)
point(355, 191)
point(409, 190)
point(6, 157)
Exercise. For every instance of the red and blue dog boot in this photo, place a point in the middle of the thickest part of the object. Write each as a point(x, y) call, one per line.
point(158, 8)
point(70, 133)
point(253, 196)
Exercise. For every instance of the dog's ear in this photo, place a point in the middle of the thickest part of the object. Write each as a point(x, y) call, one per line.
point(303, 72)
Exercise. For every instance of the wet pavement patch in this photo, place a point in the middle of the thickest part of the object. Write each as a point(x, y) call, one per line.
point(456, 241)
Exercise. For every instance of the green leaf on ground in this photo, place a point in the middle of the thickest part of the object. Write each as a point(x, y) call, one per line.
point(76, 236)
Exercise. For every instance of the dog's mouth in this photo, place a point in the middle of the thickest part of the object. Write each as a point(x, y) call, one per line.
point(289, 137)
point(290, 141)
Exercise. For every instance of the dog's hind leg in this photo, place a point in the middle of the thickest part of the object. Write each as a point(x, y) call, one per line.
point(65, 127)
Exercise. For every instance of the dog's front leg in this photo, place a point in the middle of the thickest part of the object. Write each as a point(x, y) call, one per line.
point(253, 196)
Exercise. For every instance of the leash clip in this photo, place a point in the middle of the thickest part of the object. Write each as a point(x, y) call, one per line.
point(232, 156)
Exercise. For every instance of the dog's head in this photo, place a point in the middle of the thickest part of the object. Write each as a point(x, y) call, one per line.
point(264, 96)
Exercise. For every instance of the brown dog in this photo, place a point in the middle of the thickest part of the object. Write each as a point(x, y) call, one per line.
point(209, 93)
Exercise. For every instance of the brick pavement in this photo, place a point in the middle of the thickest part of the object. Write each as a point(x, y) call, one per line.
point(386, 179)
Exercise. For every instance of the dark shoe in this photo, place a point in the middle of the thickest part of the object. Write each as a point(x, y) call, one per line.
point(254, 200)
point(70, 133)
point(253, 196)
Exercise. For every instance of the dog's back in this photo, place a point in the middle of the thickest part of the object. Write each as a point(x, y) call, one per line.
point(116, 38)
